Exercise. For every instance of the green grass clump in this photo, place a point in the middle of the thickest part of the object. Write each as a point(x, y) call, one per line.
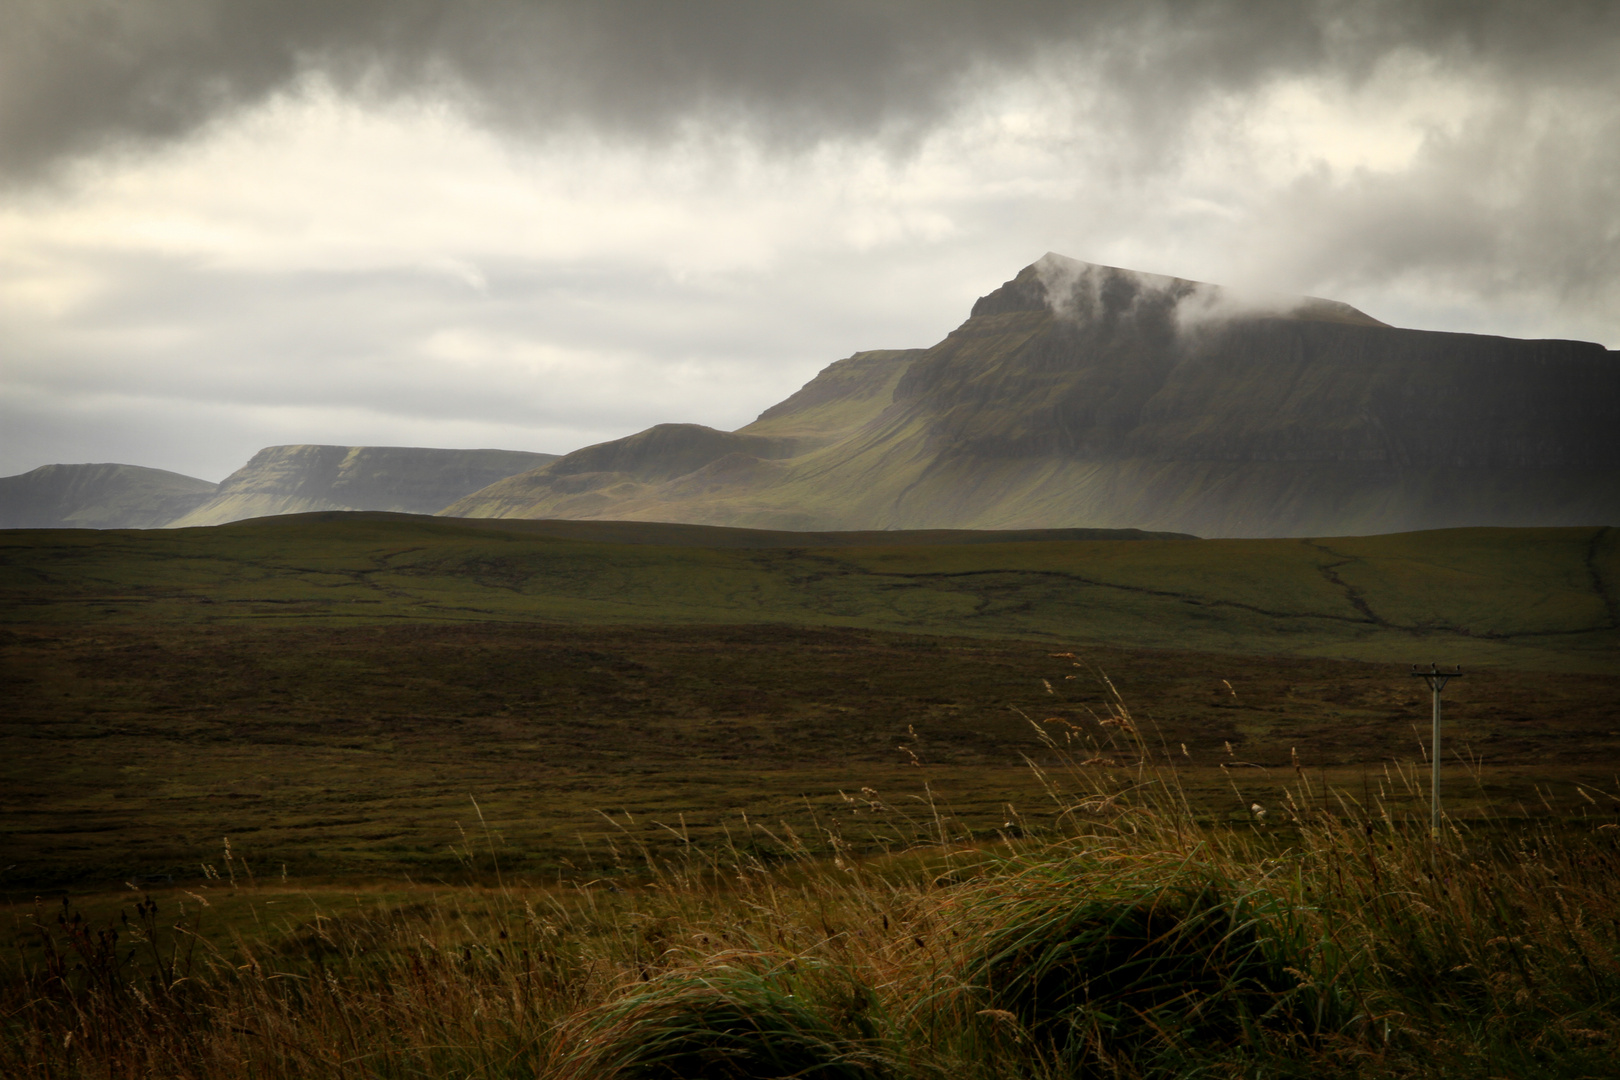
point(726, 1023)
point(1115, 951)
point(1096, 964)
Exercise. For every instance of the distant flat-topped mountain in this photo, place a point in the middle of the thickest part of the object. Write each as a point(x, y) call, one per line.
point(406, 479)
point(1079, 395)
point(104, 496)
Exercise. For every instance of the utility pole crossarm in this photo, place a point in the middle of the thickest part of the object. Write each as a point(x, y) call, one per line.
point(1436, 680)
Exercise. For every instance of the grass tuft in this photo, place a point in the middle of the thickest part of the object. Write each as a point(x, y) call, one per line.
point(1093, 963)
point(724, 1023)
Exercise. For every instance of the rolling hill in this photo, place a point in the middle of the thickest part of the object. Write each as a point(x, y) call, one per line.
point(104, 496)
point(406, 479)
point(1091, 396)
point(277, 480)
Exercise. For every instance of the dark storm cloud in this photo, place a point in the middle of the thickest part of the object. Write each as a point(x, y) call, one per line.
point(78, 76)
point(1447, 165)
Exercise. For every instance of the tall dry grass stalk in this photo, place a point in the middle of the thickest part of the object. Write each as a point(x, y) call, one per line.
point(1128, 938)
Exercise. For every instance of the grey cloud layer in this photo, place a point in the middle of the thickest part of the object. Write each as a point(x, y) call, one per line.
point(1519, 204)
point(78, 76)
point(1524, 193)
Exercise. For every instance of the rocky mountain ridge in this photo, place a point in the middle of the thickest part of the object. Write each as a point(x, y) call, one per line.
point(1085, 395)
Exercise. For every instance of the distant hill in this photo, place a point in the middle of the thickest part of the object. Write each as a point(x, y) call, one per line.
point(675, 534)
point(405, 479)
point(1079, 395)
point(104, 496)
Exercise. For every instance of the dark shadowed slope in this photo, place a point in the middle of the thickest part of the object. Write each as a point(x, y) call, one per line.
point(1087, 396)
point(105, 496)
point(405, 479)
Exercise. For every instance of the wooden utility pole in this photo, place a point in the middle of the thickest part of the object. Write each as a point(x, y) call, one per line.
point(1437, 680)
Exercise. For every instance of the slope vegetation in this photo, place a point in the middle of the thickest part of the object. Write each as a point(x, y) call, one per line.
point(691, 473)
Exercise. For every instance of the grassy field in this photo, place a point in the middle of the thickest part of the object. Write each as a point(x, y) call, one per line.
point(1529, 598)
point(333, 692)
point(506, 790)
point(1124, 937)
point(131, 753)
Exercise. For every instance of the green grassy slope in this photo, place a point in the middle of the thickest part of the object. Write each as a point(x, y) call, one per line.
point(686, 472)
point(106, 496)
point(1517, 596)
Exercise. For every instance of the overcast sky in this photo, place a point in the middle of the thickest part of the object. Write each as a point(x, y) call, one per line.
point(226, 224)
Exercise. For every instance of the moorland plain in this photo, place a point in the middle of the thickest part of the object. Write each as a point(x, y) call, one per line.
point(361, 794)
point(334, 691)
point(1524, 597)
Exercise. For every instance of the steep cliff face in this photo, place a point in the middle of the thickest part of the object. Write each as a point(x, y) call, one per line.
point(406, 479)
point(105, 496)
point(1088, 396)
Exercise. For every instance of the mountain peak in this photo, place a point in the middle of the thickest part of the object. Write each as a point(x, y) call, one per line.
point(1082, 395)
point(1087, 292)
